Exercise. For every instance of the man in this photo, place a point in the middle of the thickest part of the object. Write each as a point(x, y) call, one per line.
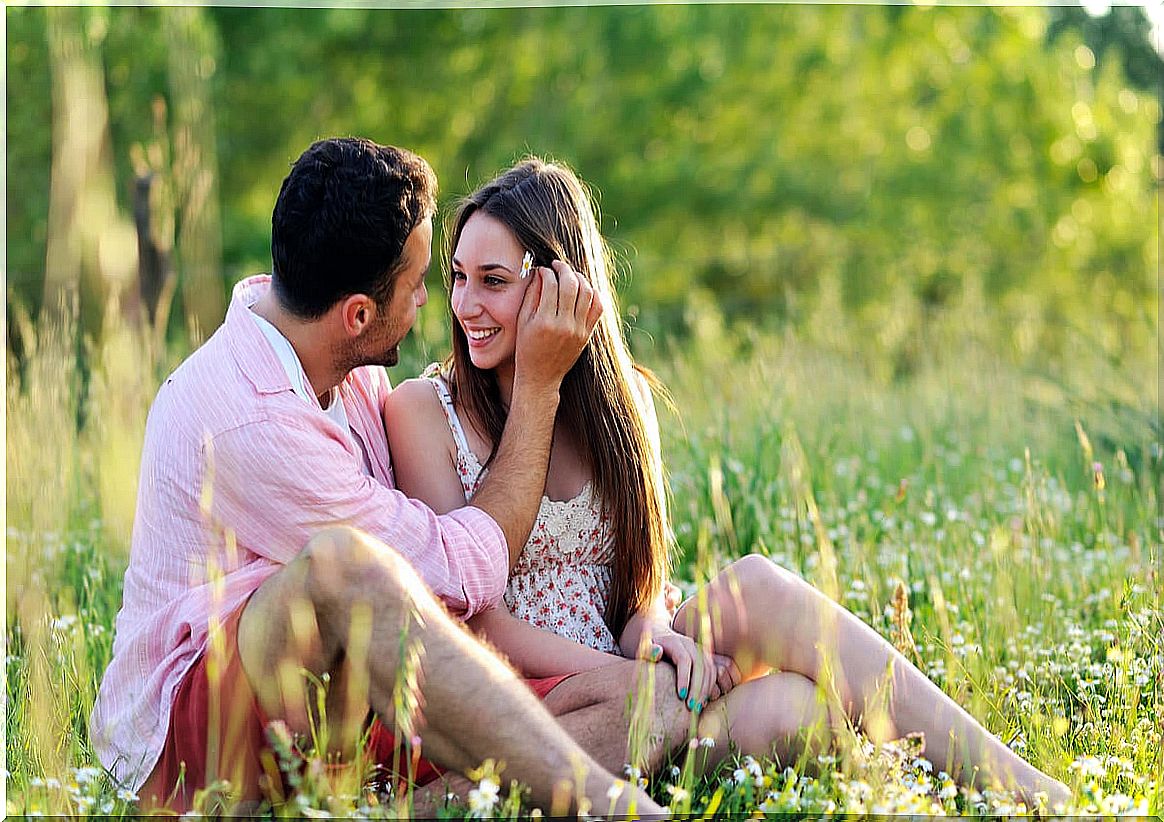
point(270, 548)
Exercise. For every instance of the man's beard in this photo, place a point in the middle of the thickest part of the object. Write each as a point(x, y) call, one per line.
point(357, 355)
point(390, 357)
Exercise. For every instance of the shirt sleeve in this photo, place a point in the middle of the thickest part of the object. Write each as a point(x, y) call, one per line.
point(276, 482)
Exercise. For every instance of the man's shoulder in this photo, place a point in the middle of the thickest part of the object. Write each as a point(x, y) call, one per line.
point(209, 390)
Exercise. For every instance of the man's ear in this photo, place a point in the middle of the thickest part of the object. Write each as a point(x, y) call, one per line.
point(356, 312)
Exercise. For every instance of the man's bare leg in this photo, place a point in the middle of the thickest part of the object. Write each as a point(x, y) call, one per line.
point(350, 606)
point(593, 708)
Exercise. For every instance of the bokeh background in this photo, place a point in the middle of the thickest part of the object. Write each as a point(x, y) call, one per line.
point(899, 266)
point(764, 166)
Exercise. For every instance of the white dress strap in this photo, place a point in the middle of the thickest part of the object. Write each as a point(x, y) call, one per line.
point(442, 389)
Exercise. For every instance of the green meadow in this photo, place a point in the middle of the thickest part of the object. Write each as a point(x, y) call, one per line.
point(897, 265)
point(1001, 527)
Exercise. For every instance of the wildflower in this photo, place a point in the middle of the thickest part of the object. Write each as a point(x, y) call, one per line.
point(1088, 766)
point(615, 790)
point(86, 775)
point(707, 742)
point(678, 795)
point(674, 771)
point(1115, 804)
point(65, 622)
point(126, 795)
point(483, 798)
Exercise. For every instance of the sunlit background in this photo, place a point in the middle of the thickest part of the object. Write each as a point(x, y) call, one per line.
point(898, 264)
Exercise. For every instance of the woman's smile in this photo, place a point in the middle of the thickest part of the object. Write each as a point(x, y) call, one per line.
point(479, 337)
point(488, 290)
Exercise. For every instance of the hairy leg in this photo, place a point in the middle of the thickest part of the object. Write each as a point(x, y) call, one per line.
point(602, 709)
point(623, 712)
point(764, 615)
point(352, 608)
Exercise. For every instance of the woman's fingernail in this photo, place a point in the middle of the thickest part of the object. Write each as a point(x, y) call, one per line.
point(682, 693)
point(691, 704)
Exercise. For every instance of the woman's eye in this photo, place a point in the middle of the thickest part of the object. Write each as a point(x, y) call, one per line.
point(458, 276)
point(491, 280)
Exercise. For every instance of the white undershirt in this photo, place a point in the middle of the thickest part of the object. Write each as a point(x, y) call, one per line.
point(298, 378)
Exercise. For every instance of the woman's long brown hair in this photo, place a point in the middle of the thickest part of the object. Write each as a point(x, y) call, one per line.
point(551, 214)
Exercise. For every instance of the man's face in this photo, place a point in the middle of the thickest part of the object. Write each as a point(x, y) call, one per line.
point(380, 344)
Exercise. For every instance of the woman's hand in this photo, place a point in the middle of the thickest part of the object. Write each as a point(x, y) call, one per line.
point(696, 674)
point(727, 675)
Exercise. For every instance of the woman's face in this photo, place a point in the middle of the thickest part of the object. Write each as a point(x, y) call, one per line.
point(487, 292)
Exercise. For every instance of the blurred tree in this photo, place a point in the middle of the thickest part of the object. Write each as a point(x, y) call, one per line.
point(1124, 30)
point(764, 162)
point(89, 251)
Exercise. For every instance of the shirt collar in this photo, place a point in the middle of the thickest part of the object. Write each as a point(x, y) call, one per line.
point(248, 344)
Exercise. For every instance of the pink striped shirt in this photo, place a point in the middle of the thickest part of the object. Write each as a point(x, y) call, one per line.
point(237, 473)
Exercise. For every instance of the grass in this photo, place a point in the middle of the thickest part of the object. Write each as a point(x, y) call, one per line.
point(998, 519)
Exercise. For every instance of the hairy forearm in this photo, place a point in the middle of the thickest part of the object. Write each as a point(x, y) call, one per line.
point(533, 651)
point(512, 490)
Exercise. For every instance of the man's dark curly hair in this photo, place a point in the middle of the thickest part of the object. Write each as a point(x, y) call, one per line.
point(341, 221)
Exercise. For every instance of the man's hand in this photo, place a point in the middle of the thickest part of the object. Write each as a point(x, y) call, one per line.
point(558, 313)
point(557, 316)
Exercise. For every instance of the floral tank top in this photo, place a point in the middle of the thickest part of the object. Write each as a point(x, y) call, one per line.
point(561, 581)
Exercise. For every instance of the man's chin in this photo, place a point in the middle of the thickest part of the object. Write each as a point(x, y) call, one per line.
point(391, 358)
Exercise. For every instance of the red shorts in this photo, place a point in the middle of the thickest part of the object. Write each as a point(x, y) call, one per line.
point(219, 732)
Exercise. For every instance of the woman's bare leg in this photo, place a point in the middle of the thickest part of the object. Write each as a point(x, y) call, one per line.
point(762, 614)
point(780, 714)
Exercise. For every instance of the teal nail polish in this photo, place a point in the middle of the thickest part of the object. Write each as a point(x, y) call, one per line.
point(691, 704)
point(682, 693)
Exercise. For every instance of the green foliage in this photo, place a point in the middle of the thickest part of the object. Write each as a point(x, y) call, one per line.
point(897, 265)
point(757, 156)
point(1026, 547)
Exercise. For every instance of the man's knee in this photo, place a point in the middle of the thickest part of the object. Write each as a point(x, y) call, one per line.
point(301, 617)
point(343, 565)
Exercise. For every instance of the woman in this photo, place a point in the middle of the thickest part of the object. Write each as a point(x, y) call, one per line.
point(751, 650)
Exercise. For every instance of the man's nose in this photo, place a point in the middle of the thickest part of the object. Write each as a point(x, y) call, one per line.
point(422, 295)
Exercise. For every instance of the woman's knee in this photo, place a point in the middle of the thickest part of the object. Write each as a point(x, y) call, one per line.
point(783, 713)
point(759, 578)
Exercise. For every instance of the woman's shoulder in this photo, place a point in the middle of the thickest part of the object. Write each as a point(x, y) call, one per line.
point(414, 403)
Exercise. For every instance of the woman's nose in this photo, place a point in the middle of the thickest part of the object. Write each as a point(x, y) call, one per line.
point(465, 300)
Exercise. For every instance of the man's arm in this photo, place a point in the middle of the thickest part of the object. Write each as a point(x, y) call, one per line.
point(272, 484)
point(559, 313)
